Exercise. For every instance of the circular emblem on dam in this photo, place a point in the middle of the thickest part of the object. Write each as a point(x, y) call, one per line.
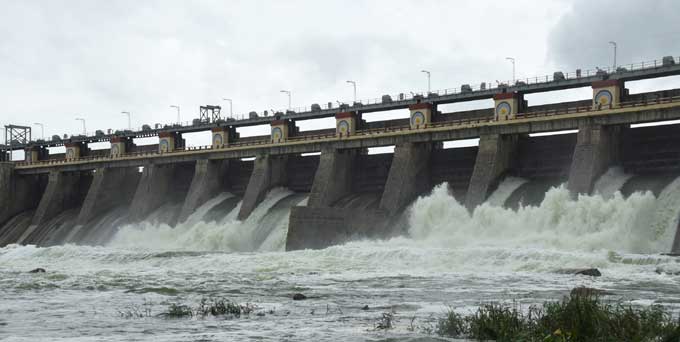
point(217, 139)
point(115, 150)
point(503, 108)
point(70, 153)
point(343, 127)
point(165, 145)
point(277, 134)
point(603, 98)
point(417, 119)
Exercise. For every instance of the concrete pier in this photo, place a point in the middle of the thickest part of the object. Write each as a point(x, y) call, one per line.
point(333, 178)
point(409, 176)
point(18, 193)
point(317, 228)
point(597, 147)
point(207, 183)
point(268, 172)
point(64, 191)
point(110, 187)
point(152, 190)
point(495, 156)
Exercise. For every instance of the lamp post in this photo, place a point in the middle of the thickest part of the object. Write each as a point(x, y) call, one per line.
point(288, 93)
point(84, 129)
point(231, 108)
point(129, 119)
point(613, 43)
point(42, 130)
point(512, 60)
point(428, 80)
point(179, 120)
point(354, 84)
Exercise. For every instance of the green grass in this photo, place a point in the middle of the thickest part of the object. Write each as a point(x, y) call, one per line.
point(581, 317)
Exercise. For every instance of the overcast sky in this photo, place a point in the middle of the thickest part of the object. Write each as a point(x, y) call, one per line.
point(93, 59)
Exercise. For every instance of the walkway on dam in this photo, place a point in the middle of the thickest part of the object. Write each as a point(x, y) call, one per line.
point(534, 122)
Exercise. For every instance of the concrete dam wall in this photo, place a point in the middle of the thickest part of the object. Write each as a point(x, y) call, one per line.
point(342, 193)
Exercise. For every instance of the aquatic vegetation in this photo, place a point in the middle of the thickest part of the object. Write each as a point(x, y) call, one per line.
point(385, 322)
point(580, 317)
point(210, 307)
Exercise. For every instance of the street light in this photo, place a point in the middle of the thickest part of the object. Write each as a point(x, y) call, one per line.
point(287, 92)
point(84, 129)
point(42, 130)
point(428, 79)
point(178, 118)
point(614, 45)
point(129, 120)
point(354, 84)
point(512, 60)
point(231, 108)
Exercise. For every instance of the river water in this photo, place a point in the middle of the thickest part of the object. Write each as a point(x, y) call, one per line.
point(452, 259)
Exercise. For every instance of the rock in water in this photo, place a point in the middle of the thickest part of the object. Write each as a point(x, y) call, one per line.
point(299, 296)
point(365, 307)
point(37, 270)
point(593, 272)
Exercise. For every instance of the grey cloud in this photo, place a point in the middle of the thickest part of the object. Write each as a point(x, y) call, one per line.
point(643, 30)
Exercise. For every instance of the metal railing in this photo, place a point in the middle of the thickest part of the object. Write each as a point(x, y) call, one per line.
point(404, 96)
point(367, 132)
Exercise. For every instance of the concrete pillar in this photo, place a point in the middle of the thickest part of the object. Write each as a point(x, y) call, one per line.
point(495, 156)
point(110, 187)
point(220, 137)
point(75, 150)
point(169, 142)
point(315, 228)
point(280, 131)
point(63, 192)
point(121, 146)
point(508, 105)
point(345, 124)
point(206, 184)
point(409, 176)
point(17, 193)
point(421, 115)
point(7, 192)
point(675, 249)
point(34, 154)
point(268, 172)
point(607, 94)
point(333, 178)
point(153, 187)
point(597, 147)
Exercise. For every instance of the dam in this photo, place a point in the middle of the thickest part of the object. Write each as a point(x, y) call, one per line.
point(322, 188)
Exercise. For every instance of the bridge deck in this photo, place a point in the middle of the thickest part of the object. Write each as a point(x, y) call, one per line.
point(632, 72)
point(536, 122)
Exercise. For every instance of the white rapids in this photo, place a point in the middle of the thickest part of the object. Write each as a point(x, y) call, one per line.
point(451, 258)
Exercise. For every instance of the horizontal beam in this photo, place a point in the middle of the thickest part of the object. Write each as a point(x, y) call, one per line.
point(468, 130)
point(653, 71)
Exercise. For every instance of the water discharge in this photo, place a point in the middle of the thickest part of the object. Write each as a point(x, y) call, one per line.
point(611, 182)
point(505, 190)
point(450, 257)
point(225, 235)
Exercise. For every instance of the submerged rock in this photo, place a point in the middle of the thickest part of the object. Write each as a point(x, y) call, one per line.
point(299, 296)
point(593, 272)
point(37, 270)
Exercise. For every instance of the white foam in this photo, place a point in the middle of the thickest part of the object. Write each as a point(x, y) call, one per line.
point(611, 182)
point(505, 190)
point(587, 224)
point(227, 235)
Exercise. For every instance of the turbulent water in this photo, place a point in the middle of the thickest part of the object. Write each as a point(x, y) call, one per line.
point(452, 258)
